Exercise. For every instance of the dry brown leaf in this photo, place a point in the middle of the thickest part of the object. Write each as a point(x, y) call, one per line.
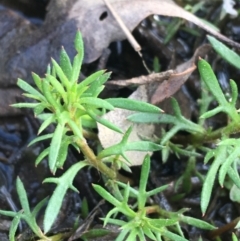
point(99, 28)
point(143, 79)
point(169, 87)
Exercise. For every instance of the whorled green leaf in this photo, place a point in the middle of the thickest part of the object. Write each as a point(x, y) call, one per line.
point(40, 108)
point(122, 235)
point(152, 118)
point(51, 119)
point(157, 190)
point(148, 233)
point(58, 86)
point(25, 105)
point(13, 228)
point(220, 156)
point(26, 214)
point(157, 223)
point(226, 165)
point(133, 105)
point(8, 213)
point(173, 236)
point(55, 145)
point(65, 63)
point(29, 89)
point(95, 233)
point(77, 61)
point(234, 237)
point(142, 146)
point(76, 129)
point(63, 184)
point(234, 194)
point(106, 195)
point(37, 81)
point(42, 155)
point(38, 207)
point(211, 81)
point(62, 155)
point(117, 149)
point(47, 91)
point(89, 80)
point(96, 102)
point(22, 196)
point(212, 84)
point(212, 112)
point(97, 86)
point(234, 92)
point(234, 176)
point(226, 53)
point(142, 197)
point(196, 222)
point(41, 138)
point(31, 96)
point(63, 78)
point(103, 121)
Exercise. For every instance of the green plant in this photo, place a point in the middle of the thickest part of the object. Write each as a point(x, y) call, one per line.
point(138, 224)
point(225, 155)
point(24, 214)
point(75, 108)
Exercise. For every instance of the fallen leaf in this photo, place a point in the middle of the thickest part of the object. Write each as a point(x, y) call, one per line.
point(169, 87)
point(99, 28)
point(144, 79)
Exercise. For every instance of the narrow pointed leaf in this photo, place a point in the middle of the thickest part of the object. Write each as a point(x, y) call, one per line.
point(29, 89)
point(63, 78)
point(173, 236)
point(77, 62)
point(46, 123)
point(96, 102)
point(106, 195)
point(97, 86)
point(197, 223)
point(134, 105)
point(104, 122)
point(42, 155)
point(234, 90)
point(58, 86)
point(37, 81)
point(55, 145)
point(142, 146)
point(13, 228)
point(226, 53)
point(63, 183)
point(41, 138)
point(90, 79)
point(65, 63)
point(25, 105)
point(211, 81)
point(22, 196)
point(207, 189)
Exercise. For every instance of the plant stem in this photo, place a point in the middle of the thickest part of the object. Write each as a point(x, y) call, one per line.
point(98, 164)
point(200, 139)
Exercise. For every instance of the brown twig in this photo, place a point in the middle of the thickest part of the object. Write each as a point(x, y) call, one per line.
point(128, 34)
point(144, 79)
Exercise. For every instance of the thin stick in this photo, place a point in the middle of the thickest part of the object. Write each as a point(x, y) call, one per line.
point(124, 28)
point(128, 34)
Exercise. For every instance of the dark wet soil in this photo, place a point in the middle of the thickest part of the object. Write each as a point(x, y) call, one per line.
point(15, 132)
